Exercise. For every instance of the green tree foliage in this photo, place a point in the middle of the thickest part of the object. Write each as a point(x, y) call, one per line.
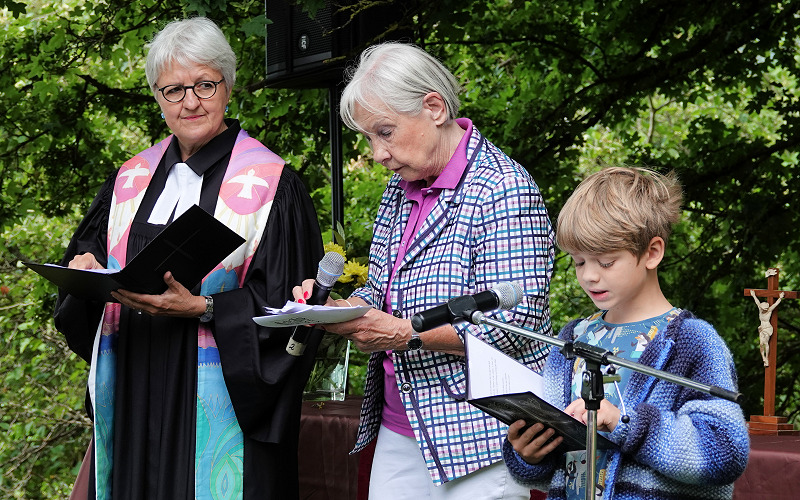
point(709, 89)
point(42, 421)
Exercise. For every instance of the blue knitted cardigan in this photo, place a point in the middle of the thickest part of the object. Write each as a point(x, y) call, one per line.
point(680, 443)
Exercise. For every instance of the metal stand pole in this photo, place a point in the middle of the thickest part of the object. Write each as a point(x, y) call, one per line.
point(592, 393)
point(337, 176)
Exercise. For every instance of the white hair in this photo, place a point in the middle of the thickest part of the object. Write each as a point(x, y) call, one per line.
point(398, 75)
point(197, 40)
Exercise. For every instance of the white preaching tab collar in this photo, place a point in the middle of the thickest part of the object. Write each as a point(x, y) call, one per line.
point(181, 191)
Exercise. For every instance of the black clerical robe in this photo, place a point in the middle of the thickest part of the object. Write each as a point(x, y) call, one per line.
point(156, 399)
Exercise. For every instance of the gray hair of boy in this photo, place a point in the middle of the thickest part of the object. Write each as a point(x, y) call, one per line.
point(197, 40)
point(619, 208)
point(398, 76)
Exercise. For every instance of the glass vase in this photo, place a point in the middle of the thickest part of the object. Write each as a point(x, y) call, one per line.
point(328, 380)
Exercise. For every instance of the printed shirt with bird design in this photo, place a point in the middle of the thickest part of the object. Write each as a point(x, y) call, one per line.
point(627, 341)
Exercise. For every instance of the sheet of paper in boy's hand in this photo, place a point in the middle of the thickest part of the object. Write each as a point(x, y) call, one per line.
point(293, 314)
point(491, 372)
point(510, 391)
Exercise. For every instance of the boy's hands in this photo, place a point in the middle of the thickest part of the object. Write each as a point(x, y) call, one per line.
point(607, 416)
point(532, 444)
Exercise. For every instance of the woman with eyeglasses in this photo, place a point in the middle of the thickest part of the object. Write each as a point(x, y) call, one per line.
point(189, 397)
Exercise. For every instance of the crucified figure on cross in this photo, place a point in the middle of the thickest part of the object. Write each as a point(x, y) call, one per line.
point(768, 345)
point(765, 328)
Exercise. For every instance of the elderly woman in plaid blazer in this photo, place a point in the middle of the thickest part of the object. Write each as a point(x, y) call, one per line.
point(457, 217)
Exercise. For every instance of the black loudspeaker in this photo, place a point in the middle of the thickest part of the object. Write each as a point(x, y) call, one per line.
point(312, 52)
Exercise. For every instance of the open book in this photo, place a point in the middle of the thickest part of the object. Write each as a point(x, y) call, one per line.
point(190, 247)
point(509, 391)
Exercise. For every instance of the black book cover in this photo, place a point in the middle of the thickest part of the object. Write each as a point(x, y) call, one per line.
point(508, 408)
point(509, 391)
point(190, 247)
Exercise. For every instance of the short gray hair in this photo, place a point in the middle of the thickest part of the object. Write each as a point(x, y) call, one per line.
point(398, 75)
point(197, 40)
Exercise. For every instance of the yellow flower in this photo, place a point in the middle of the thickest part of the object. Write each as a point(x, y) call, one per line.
point(354, 270)
point(333, 247)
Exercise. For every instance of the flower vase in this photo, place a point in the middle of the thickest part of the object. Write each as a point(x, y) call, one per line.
point(328, 379)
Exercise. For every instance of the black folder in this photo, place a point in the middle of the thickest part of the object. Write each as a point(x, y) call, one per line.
point(508, 408)
point(190, 247)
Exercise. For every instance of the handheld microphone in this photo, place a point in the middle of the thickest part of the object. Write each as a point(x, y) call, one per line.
point(503, 296)
point(330, 268)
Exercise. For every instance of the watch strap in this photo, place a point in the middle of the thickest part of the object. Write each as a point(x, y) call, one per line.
point(209, 314)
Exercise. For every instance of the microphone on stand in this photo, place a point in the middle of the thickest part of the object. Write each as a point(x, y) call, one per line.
point(330, 268)
point(505, 295)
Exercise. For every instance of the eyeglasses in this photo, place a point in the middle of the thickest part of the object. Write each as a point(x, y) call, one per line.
point(203, 90)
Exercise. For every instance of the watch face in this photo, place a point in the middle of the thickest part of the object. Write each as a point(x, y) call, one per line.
point(415, 344)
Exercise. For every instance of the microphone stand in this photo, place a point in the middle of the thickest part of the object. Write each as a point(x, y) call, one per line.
point(592, 387)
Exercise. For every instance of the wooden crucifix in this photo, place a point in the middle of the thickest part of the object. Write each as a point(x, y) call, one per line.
point(769, 423)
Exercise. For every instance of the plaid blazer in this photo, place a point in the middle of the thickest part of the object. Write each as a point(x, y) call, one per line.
point(493, 227)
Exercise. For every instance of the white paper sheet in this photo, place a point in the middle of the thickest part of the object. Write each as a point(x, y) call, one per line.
point(491, 372)
point(293, 314)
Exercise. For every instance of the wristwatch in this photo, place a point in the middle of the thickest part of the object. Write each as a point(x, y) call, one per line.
point(209, 314)
point(415, 343)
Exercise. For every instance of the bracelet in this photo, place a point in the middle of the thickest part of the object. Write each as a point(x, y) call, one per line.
point(348, 302)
